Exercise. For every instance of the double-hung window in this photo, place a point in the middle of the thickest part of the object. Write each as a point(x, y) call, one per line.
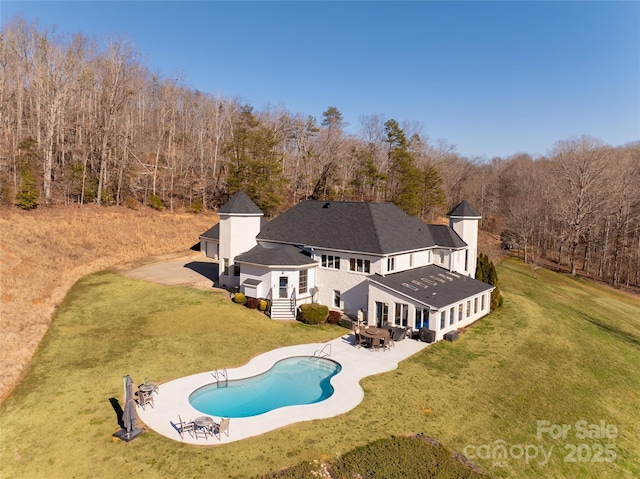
point(302, 281)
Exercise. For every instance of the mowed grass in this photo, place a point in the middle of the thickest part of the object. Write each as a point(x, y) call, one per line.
point(561, 350)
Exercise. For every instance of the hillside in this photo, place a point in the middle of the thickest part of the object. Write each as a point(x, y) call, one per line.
point(45, 251)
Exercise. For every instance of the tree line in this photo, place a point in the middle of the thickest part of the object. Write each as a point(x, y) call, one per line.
point(84, 121)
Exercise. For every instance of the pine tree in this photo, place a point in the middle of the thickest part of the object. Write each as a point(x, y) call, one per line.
point(27, 194)
point(486, 272)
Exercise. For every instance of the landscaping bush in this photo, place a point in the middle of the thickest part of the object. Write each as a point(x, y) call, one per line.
point(334, 317)
point(239, 298)
point(156, 202)
point(252, 303)
point(313, 313)
point(262, 305)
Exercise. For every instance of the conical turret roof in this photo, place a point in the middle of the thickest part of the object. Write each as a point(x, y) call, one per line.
point(464, 210)
point(240, 204)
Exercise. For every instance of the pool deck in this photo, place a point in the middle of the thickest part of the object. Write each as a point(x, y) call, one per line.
point(357, 363)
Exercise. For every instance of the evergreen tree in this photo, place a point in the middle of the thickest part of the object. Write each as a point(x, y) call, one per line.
point(406, 181)
point(27, 194)
point(486, 272)
point(255, 164)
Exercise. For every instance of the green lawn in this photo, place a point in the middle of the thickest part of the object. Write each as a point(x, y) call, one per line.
point(561, 350)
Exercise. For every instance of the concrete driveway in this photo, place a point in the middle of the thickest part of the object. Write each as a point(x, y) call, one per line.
point(196, 270)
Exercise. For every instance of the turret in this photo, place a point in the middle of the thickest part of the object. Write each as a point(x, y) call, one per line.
point(464, 220)
point(240, 221)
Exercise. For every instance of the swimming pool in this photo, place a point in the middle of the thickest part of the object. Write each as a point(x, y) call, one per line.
point(292, 381)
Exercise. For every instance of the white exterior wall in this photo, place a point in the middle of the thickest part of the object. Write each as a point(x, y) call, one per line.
point(379, 294)
point(441, 257)
point(237, 235)
point(209, 248)
point(467, 229)
point(352, 285)
point(271, 281)
point(259, 273)
point(466, 320)
point(407, 261)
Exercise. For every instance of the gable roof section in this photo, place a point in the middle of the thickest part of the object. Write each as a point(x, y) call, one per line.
point(464, 210)
point(375, 228)
point(445, 236)
point(432, 285)
point(285, 255)
point(212, 233)
point(240, 204)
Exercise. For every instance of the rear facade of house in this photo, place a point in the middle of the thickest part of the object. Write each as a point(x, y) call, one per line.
point(368, 260)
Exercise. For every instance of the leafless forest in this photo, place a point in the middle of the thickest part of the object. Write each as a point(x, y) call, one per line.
point(85, 122)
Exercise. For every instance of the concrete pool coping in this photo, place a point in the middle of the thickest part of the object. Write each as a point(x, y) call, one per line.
point(357, 363)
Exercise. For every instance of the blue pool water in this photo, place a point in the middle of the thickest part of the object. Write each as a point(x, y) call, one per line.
point(291, 381)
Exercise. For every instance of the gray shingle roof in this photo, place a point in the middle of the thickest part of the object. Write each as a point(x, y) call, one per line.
point(375, 228)
point(432, 285)
point(445, 236)
point(464, 210)
point(240, 203)
point(212, 233)
point(285, 255)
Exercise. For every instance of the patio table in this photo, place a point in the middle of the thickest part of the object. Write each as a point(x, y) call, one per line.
point(376, 333)
point(203, 421)
point(146, 388)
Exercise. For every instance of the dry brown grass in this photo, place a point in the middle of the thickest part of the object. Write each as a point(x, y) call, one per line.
point(44, 252)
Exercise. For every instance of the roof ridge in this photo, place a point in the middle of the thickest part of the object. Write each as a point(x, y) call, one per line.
point(375, 225)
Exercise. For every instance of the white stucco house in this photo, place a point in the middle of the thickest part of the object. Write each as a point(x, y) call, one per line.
point(365, 259)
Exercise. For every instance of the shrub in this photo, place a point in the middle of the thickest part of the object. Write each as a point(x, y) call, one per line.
point(239, 298)
point(27, 195)
point(262, 305)
point(252, 303)
point(156, 202)
point(313, 313)
point(334, 317)
point(196, 206)
point(131, 203)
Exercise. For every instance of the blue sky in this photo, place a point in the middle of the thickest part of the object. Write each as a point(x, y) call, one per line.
point(491, 78)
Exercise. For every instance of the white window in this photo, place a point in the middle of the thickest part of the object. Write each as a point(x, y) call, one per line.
point(336, 298)
point(382, 313)
point(391, 264)
point(441, 257)
point(411, 260)
point(460, 312)
point(443, 319)
point(402, 314)
point(482, 303)
point(452, 315)
point(302, 282)
point(359, 265)
point(475, 305)
point(422, 318)
point(468, 308)
point(330, 261)
point(225, 263)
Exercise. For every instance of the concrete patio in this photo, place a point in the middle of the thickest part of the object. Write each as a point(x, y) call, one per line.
point(357, 363)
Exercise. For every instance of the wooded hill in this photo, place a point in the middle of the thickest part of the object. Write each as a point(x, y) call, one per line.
point(84, 121)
